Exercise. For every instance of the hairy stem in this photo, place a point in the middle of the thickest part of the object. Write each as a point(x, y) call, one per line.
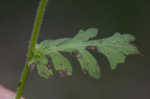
point(34, 37)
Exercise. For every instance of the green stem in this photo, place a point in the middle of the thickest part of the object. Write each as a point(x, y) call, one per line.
point(33, 41)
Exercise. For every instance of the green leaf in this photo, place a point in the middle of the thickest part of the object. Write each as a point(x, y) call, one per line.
point(116, 48)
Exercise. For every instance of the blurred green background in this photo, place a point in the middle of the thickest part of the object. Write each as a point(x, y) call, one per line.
point(64, 18)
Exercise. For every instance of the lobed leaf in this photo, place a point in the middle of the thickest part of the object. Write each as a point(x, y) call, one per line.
point(115, 48)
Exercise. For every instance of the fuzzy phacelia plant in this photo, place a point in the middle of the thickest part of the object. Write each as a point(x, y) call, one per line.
point(48, 57)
